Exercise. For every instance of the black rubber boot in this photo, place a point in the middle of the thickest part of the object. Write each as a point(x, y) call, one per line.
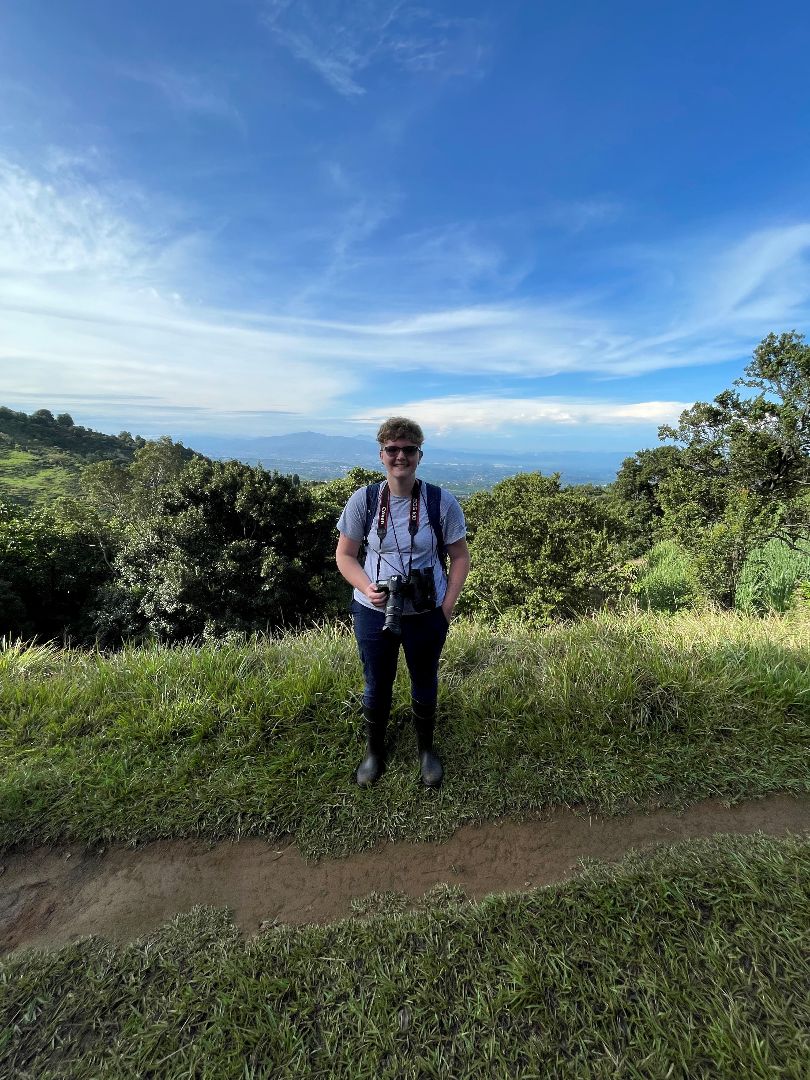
point(371, 767)
point(424, 721)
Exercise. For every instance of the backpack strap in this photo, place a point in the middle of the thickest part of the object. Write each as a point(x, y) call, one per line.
point(372, 498)
point(434, 508)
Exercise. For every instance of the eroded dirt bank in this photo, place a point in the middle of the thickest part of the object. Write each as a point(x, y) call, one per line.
point(49, 897)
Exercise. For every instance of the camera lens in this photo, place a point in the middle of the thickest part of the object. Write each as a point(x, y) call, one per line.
point(394, 605)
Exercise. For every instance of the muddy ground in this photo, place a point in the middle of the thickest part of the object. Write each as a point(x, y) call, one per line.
point(52, 896)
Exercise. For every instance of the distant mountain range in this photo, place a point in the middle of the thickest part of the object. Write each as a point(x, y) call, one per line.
point(321, 457)
point(41, 455)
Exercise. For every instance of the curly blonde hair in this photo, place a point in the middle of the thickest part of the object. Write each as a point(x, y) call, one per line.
point(400, 427)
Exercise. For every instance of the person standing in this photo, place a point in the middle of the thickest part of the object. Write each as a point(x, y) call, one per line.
point(407, 528)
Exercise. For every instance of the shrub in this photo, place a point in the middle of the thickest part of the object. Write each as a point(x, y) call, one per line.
point(229, 547)
point(669, 581)
point(540, 552)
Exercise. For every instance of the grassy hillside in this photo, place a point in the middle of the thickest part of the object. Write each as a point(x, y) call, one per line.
point(42, 431)
point(262, 738)
point(41, 455)
point(35, 477)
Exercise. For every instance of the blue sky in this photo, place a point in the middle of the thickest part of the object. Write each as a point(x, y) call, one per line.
point(528, 225)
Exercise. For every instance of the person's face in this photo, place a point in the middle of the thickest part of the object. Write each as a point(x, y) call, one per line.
point(400, 457)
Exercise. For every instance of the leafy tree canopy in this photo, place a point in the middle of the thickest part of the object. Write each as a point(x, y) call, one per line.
point(745, 475)
point(637, 491)
point(50, 571)
point(541, 551)
point(760, 442)
point(116, 496)
point(229, 547)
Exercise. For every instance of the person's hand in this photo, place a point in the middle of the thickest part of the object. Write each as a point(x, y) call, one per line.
point(448, 611)
point(377, 596)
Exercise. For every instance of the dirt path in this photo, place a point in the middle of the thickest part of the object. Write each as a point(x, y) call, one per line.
point(49, 897)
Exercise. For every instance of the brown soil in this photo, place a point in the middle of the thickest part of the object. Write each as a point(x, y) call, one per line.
point(49, 897)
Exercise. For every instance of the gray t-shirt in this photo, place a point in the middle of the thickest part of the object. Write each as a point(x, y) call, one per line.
point(396, 547)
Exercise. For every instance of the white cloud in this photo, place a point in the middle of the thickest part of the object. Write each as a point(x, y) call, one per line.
point(341, 39)
point(42, 231)
point(88, 304)
point(478, 412)
point(95, 303)
point(764, 276)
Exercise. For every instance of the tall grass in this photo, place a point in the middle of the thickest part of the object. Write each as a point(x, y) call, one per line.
point(263, 737)
point(771, 578)
point(669, 581)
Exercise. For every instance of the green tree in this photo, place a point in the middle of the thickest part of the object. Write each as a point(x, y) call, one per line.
point(745, 460)
point(760, 442)
point(117, 497)
point(540, 551)
point(637, 492)
point(50, 574)
point(719, 525)
point(229, 547)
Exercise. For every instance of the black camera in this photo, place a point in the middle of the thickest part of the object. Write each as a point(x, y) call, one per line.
point(420, 587)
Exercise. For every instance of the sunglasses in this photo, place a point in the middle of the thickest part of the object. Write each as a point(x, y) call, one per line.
point(392, 451)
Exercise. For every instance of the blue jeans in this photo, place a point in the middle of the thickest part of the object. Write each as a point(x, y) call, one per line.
point(423, 638)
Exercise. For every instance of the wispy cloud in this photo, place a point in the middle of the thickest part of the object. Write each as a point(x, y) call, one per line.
point(185, 92)
point(344, 238)
point(95, 302)
point(88, 305)
point(341, 39)
point(44, 230)
point(481, 412)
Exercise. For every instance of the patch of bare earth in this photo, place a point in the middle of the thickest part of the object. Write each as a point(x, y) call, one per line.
point(49, 897)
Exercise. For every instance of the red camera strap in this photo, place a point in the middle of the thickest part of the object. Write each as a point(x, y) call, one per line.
point(384, 514)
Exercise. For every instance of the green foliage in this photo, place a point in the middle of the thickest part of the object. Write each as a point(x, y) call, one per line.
point(50, 572)
point(228, 547)
point(759, 442)
point(773, 578)
point(540, 551)
point(636, 491)
point(719, 525)
point(120, 497)
point(669, 580)
point(745, 467)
